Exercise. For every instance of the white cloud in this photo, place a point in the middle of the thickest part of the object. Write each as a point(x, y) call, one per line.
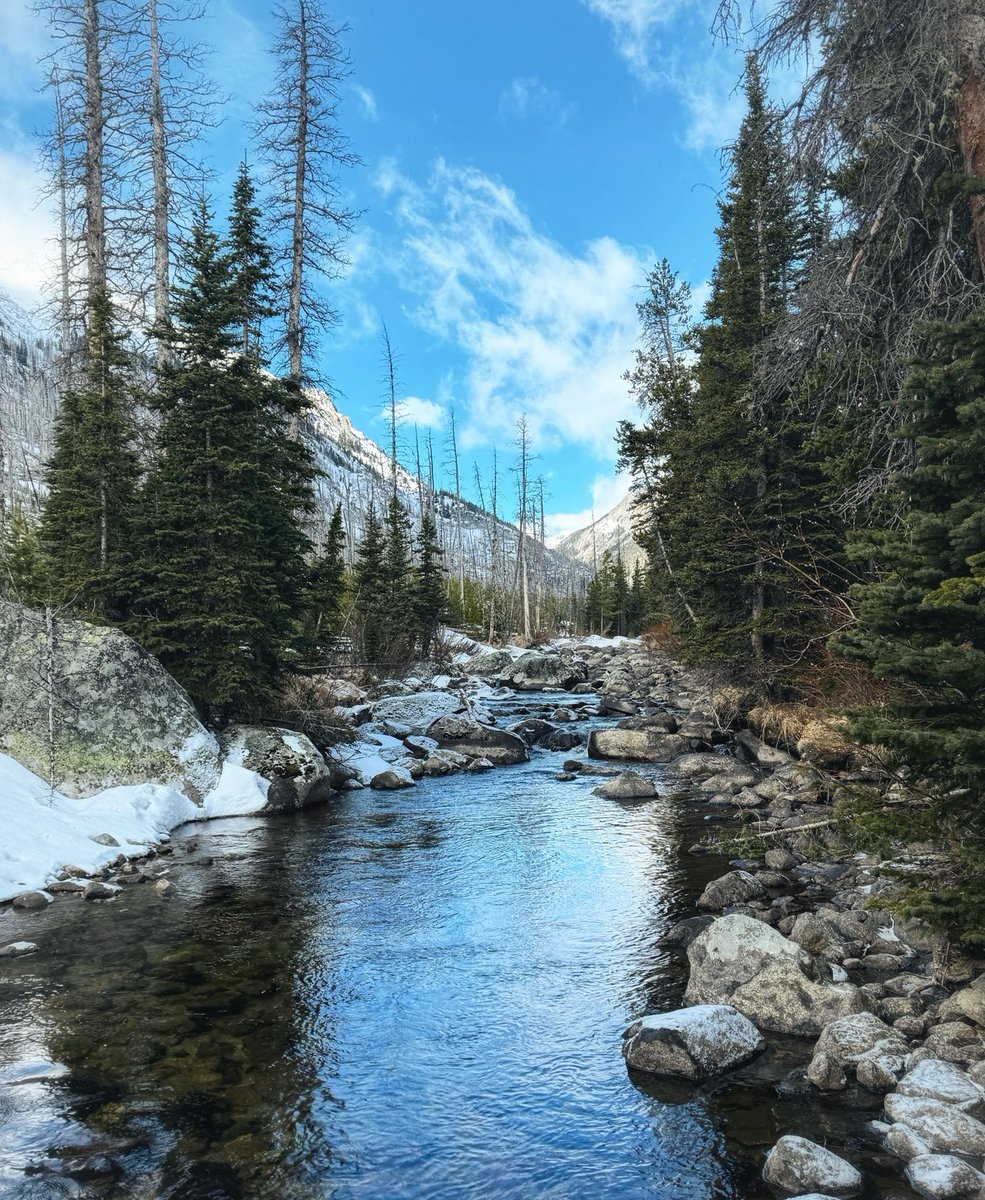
point(26, 247)
point(607, 491)
point(415, 410)
point(543, 330)
point(634, 26)
point(23, 42)
point(368, 101)
point(530, 97)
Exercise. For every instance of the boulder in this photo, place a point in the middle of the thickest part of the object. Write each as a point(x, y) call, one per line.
point(533, 730)
point(119, 718)
point(627, 786)
point(562, 740)
point(942, 1126)
point(417, 712)
point(478, 741)
point(904, 1143)
point(944, 1177)
point(634, 745)
point(298, 773)
point(489, 664)
point(18, 949)
point(744, 962)
point(617, 706)
point(536, 672)
point(693, 1043)
point(697, 765)
point(969, 1002)
point(760, 753)
point(32, 901)
point(956, 1042)
point(737, 887)
point(796, 1164)
point(661, 722)
point(392, 780)
point(934, 1079)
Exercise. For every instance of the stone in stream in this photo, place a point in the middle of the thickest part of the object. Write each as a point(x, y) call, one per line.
point(392, 780)
point(533, 730)
point(617, 706)
point(692, 1043)
point(736, 887)
point(743, 962)
point(635, 745)
point(795, 1163)
point(934, 1079)
point(99, 891)
point(478, 741)
point(298, 773)
point(536, 672)
point(562, 739)
point(942, 1126)
point(660, 722)
point(32, 901)
point(628, 786)
point(944, 1177)
point(18, 949)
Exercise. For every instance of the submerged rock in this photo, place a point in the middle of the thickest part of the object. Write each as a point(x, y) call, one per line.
point(693, 1043)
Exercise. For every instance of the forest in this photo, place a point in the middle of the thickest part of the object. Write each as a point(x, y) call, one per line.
point(808, 462)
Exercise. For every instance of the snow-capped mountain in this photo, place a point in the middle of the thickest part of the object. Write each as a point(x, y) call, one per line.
point(613, 532)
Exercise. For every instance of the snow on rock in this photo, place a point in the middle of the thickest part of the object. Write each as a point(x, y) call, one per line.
point(695, 1043)
point(944, 1177)
point(44, 830)
point(942, 1126)
point(935, 1079)
point(795, 1163)
point(418, 711)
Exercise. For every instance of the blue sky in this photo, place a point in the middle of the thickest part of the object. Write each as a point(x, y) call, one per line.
point(524, 163)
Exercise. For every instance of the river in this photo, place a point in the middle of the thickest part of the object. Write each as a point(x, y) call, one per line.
point(413, 995)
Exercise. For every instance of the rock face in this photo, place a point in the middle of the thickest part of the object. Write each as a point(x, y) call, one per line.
point(627, 786)
point(298, 773)
point(693, 1043)
point(743, 962)
point(535, 672)
point(635, 745)
point(478, 741)
point(119, 718)
point(797, 1165)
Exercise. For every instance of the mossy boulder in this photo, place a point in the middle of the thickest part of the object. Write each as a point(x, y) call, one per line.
point(86, 708)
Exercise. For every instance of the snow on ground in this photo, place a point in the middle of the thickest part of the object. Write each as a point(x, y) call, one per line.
point(43, 831)
point(373, 756)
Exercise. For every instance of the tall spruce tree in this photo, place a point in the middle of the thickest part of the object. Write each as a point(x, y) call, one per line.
point(430, 597)
point(371, 589)
point(221, 574)
point(922, 622)
point(92, 476)
point(326, 588)
point(252, 261)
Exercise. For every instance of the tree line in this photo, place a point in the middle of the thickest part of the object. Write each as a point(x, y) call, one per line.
point(810, 460)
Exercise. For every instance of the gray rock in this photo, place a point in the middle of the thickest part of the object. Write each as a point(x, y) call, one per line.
point(696, 766)
point(693, 1043)
point(879, 1074)
point(418, 711)
point(795, 1164)
point(478, 741)
point(634, 745)
point(904, 1143)
point(535, 672)
point(488, 665)
point(31, 901)
point(760, 753)
point(968, 1002)
point(119, 717)
point(104, 839)
point(935, 1079)
point(659, 722)
point(743, 962)
point(298, 773)
point(99, 891)
point(532, 730)
point(941, 1126)
point(617, 706)
point(627, 786)
point(562, 739)
point(736, 887)
point(944, 1177)
point(165, 888)
point(954, 1041)
point(18, 949)
point(391, 781)
point(779, 860)
point(827, 1073)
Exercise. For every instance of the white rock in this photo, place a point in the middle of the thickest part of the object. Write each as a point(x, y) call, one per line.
point(941, 1126)
point(944, 1177)
point(695, 1043)
point(935, 1079)
point(795, 1163)
point(904, 1143)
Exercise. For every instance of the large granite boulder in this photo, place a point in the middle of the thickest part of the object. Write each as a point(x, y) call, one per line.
point(798, 1165)
point(740, 961)
point(635, 745)
point(417, 712)
point(478, 741)
point(118, 717)
point(694, 1043)
point(487, 665)
point(627, 786)
point(536, 672)
point(298, 773)
point(861, 1043)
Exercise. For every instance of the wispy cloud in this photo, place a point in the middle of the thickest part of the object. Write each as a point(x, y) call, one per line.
point(635, 25)
point(607, 491)
point(530, 97)
point(415, 410)
point(367, 100)
point(543, 330)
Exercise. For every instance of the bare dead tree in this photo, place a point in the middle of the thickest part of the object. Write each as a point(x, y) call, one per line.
point(390, 380)
point(305, 152)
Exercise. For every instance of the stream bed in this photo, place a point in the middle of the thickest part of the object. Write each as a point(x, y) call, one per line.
point(413, 995)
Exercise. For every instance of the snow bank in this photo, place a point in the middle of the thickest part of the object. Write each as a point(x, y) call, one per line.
point(43, 830)
point(372, 756)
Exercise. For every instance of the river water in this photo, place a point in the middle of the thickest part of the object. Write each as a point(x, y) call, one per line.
point(405, 995)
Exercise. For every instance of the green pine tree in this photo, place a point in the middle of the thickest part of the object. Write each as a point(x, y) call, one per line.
point(92, 476)
point(22, 569)
point(370, 596)
point(326, 588)
point(429, 584)
point(221, 576)
point(252, 263)
point(922, 623)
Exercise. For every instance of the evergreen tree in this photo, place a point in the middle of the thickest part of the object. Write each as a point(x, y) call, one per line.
point(326, 588)
point(371, 589)
point(636, 601)
point(221, 573)
point(92, 476)
point(252, 263)
point(922, 621)
point(22, 574)
point(429, 584)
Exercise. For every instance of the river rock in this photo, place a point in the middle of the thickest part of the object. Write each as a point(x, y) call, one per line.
point(942, 1126)
point(627, 786)
point(944, 1177)
point(562, 740)
point(298, 773)
point(968, 1002)
point(119, 718)
point(634, 745)
point(96, 890)
point(416, 712)
point(536, 672)
point(32, 901)
point(795, 1164)
point(488, 665)
point(904, 1143)
point(392, 780)
point(696, 765)
point(478, 741)
point(954, 1041)
point(617, 706)
point(694, 1043)
point(743, 962)
point(660, 722)
point(533, 730)
point(760, 753)
point(18, 949)
point(736, 887)
point(935, 1079)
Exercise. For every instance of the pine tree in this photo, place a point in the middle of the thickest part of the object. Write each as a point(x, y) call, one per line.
point(22, 574)
point(221, 574)
point(253, 270)
point(429, 584)
point(326, 588)
point(92, 476)
point(371, 590)
point(922, 622)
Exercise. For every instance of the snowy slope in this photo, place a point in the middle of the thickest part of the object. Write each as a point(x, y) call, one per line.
point(613, 531)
